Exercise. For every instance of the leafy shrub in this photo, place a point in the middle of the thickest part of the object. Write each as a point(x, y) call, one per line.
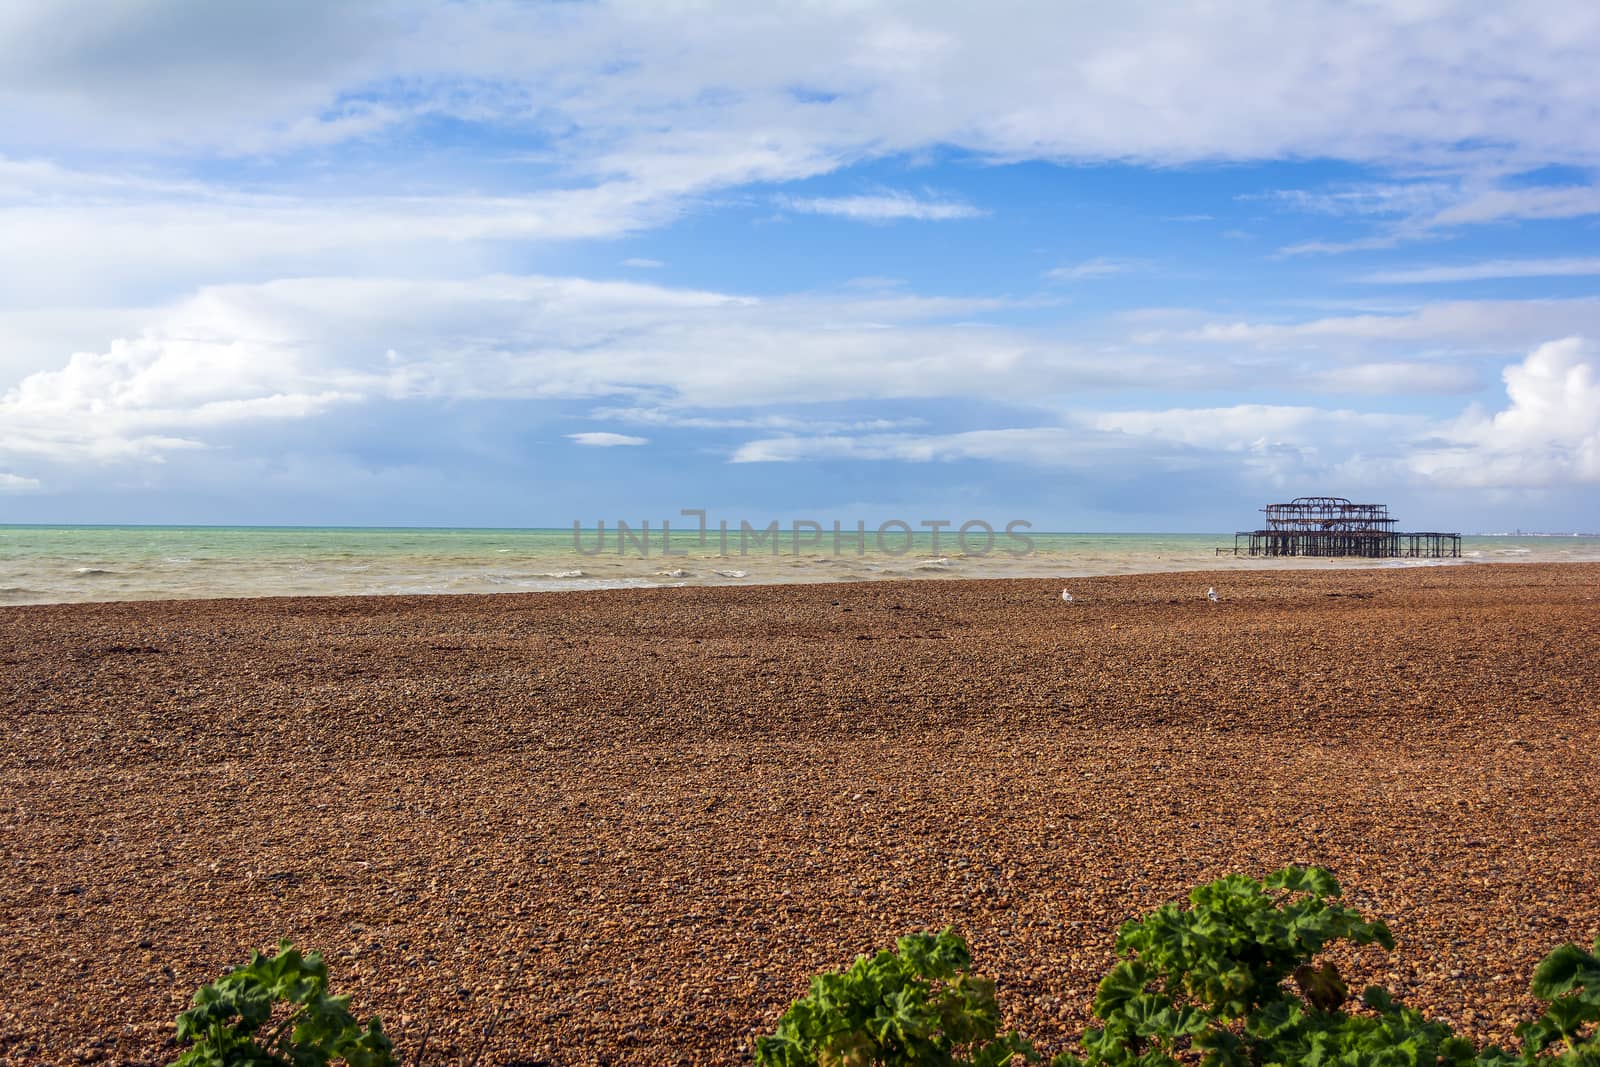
point(225, 1023)
point(919, 1007)
point(1212, 983)
point(1569, 981)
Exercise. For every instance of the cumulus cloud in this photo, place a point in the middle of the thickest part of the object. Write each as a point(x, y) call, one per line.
point(178, 155)
point(1549, 434)
point(299, 348)
point(597, 439)
point(155, 394)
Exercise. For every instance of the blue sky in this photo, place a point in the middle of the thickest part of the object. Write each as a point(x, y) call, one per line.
point(503, 263)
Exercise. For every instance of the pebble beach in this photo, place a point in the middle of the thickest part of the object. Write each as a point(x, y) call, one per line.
point(627, 826)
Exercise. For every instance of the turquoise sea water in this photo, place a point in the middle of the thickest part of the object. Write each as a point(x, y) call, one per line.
point(45, 564)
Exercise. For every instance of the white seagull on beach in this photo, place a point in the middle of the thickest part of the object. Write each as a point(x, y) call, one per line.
point(1066, 594)
point(1211, 594)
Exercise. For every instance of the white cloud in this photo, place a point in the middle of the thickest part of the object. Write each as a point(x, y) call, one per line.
point(1264, 443)
point(884, 207)
point(159, 71)
point(1087, 439)
point(1529, 202)
point(153, 394)
point(1099, 267)
point(1045, 446)
point(1548, 435)
point(1427, 210)
point(1374, 198)
point(16, 483)
point(606, 440)
point(605, 119)
point(1142, 80)
point(775, 423)
point(38, 337)
point(1570, 266)
point(300, 347)
point(624, 121)
point(1252, 427)
point(1396, 379)
point(1358, 244)
point(1482, 325)
point(73, 236)
point(642, 264)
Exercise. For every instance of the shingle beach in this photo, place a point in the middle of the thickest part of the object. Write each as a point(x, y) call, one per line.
point(628, 826)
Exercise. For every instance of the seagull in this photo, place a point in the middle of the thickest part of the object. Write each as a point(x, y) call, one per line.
point(1066, 595)
point(1211, 594)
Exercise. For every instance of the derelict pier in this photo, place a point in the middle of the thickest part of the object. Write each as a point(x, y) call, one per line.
point(1333, 526)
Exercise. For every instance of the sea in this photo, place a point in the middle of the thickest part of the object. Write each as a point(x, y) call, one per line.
point(62, 564)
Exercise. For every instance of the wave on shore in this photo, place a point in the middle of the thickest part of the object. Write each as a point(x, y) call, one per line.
point(69, 564)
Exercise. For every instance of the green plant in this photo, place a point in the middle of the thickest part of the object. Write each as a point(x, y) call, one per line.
point(1212, 983)
point(1568, 980)
point(224, 1026)
point(920, 1006)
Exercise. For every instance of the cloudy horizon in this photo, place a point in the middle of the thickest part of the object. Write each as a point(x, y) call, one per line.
point(507, 264)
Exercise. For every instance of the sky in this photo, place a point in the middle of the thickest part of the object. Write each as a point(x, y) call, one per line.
point(1141, 267)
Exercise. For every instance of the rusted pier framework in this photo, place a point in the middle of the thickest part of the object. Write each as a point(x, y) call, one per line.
point(1333, 526)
